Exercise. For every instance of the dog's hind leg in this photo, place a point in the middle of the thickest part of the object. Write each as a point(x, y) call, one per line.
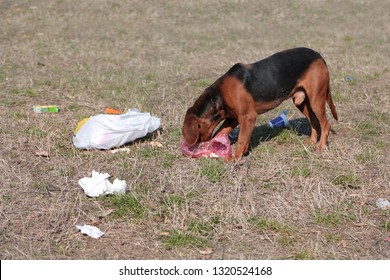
point(320, 112)
point(302, 102)
point(315, 84)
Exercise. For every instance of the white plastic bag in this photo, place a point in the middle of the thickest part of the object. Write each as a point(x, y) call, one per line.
point(107, 131)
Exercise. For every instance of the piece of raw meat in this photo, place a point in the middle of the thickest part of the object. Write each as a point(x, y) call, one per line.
point(219, 146)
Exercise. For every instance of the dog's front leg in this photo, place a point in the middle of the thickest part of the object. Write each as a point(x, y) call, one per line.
point(247, 125)
point(228, 126)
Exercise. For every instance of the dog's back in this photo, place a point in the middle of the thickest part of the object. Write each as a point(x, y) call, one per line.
point(274, 77)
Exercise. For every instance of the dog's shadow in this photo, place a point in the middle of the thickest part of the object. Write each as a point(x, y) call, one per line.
point(264, 133)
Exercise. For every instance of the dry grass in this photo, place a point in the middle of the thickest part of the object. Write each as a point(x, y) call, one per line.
point(281, 202)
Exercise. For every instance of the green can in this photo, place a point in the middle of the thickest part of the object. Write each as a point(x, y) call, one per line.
point(46, 109)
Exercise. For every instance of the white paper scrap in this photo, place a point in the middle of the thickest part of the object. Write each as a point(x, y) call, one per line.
point(99, 184)
point(91, 231)
point(382, 203)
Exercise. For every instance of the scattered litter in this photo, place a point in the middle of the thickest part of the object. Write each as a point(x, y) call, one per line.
point(120, 150)
point(388, 239)
point(80, 124)
point(348, 79)
point(279, 121)
point(91, 231)
point(206, 251)
point(46, 109)
point(99, 184)
point(155, 144)
point(382, 203)
point(106, 131)
point(219, 146)
point(42, 154)
point(111, 111)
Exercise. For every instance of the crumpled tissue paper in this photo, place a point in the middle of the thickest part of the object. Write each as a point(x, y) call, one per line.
point(383, 203)
point(99, 184)
point(91, 231)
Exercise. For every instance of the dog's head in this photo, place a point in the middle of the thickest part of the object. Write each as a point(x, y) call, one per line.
point(202, 118)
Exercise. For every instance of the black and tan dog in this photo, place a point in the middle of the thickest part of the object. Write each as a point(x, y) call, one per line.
point(247, 90)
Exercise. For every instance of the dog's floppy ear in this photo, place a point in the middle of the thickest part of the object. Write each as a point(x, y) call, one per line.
point(190, 129)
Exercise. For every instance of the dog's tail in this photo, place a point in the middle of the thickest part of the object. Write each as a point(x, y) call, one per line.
point(331, 105)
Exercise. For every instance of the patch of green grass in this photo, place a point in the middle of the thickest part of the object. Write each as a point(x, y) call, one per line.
point(18, 115)
point(336, 214)
point(287, 240)
point(63, 149)
point(386, 226)
point(300, 170)
point(327, 218)
point(26, 92)
point(68, 171)
point(338, 97)
point(174, 201)
point(126, 205)
point(267, 184)
point(48, 83)
point(365, 157)
point(347, 181)
point(87, 155)
point(347, 38)
point(300, 153)
point(378, 144)
point(381, 117)
point(201, 227)
point(4, 199)
point(77, 82)
point(333, 238)
point(120, 158)
point(35, 132)
point(183, 239)
point(214, 170)
point(167, 159)
point(9, 102)
point(287, 136)
point(31, 93)
point(216, 219)
point(160, 155)
point(141, 187)
point(74, 107)
point(367, 129)
point(303, 255)
point(172, 135)
point(37, 184)
point(375, 75)
point(37, 254)
point(3, 75)
point(265, 148)
point(146, 152)
point(59, 248)
point(270, 224)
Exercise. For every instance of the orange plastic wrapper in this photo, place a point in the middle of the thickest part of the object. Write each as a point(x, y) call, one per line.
point(112, 111)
